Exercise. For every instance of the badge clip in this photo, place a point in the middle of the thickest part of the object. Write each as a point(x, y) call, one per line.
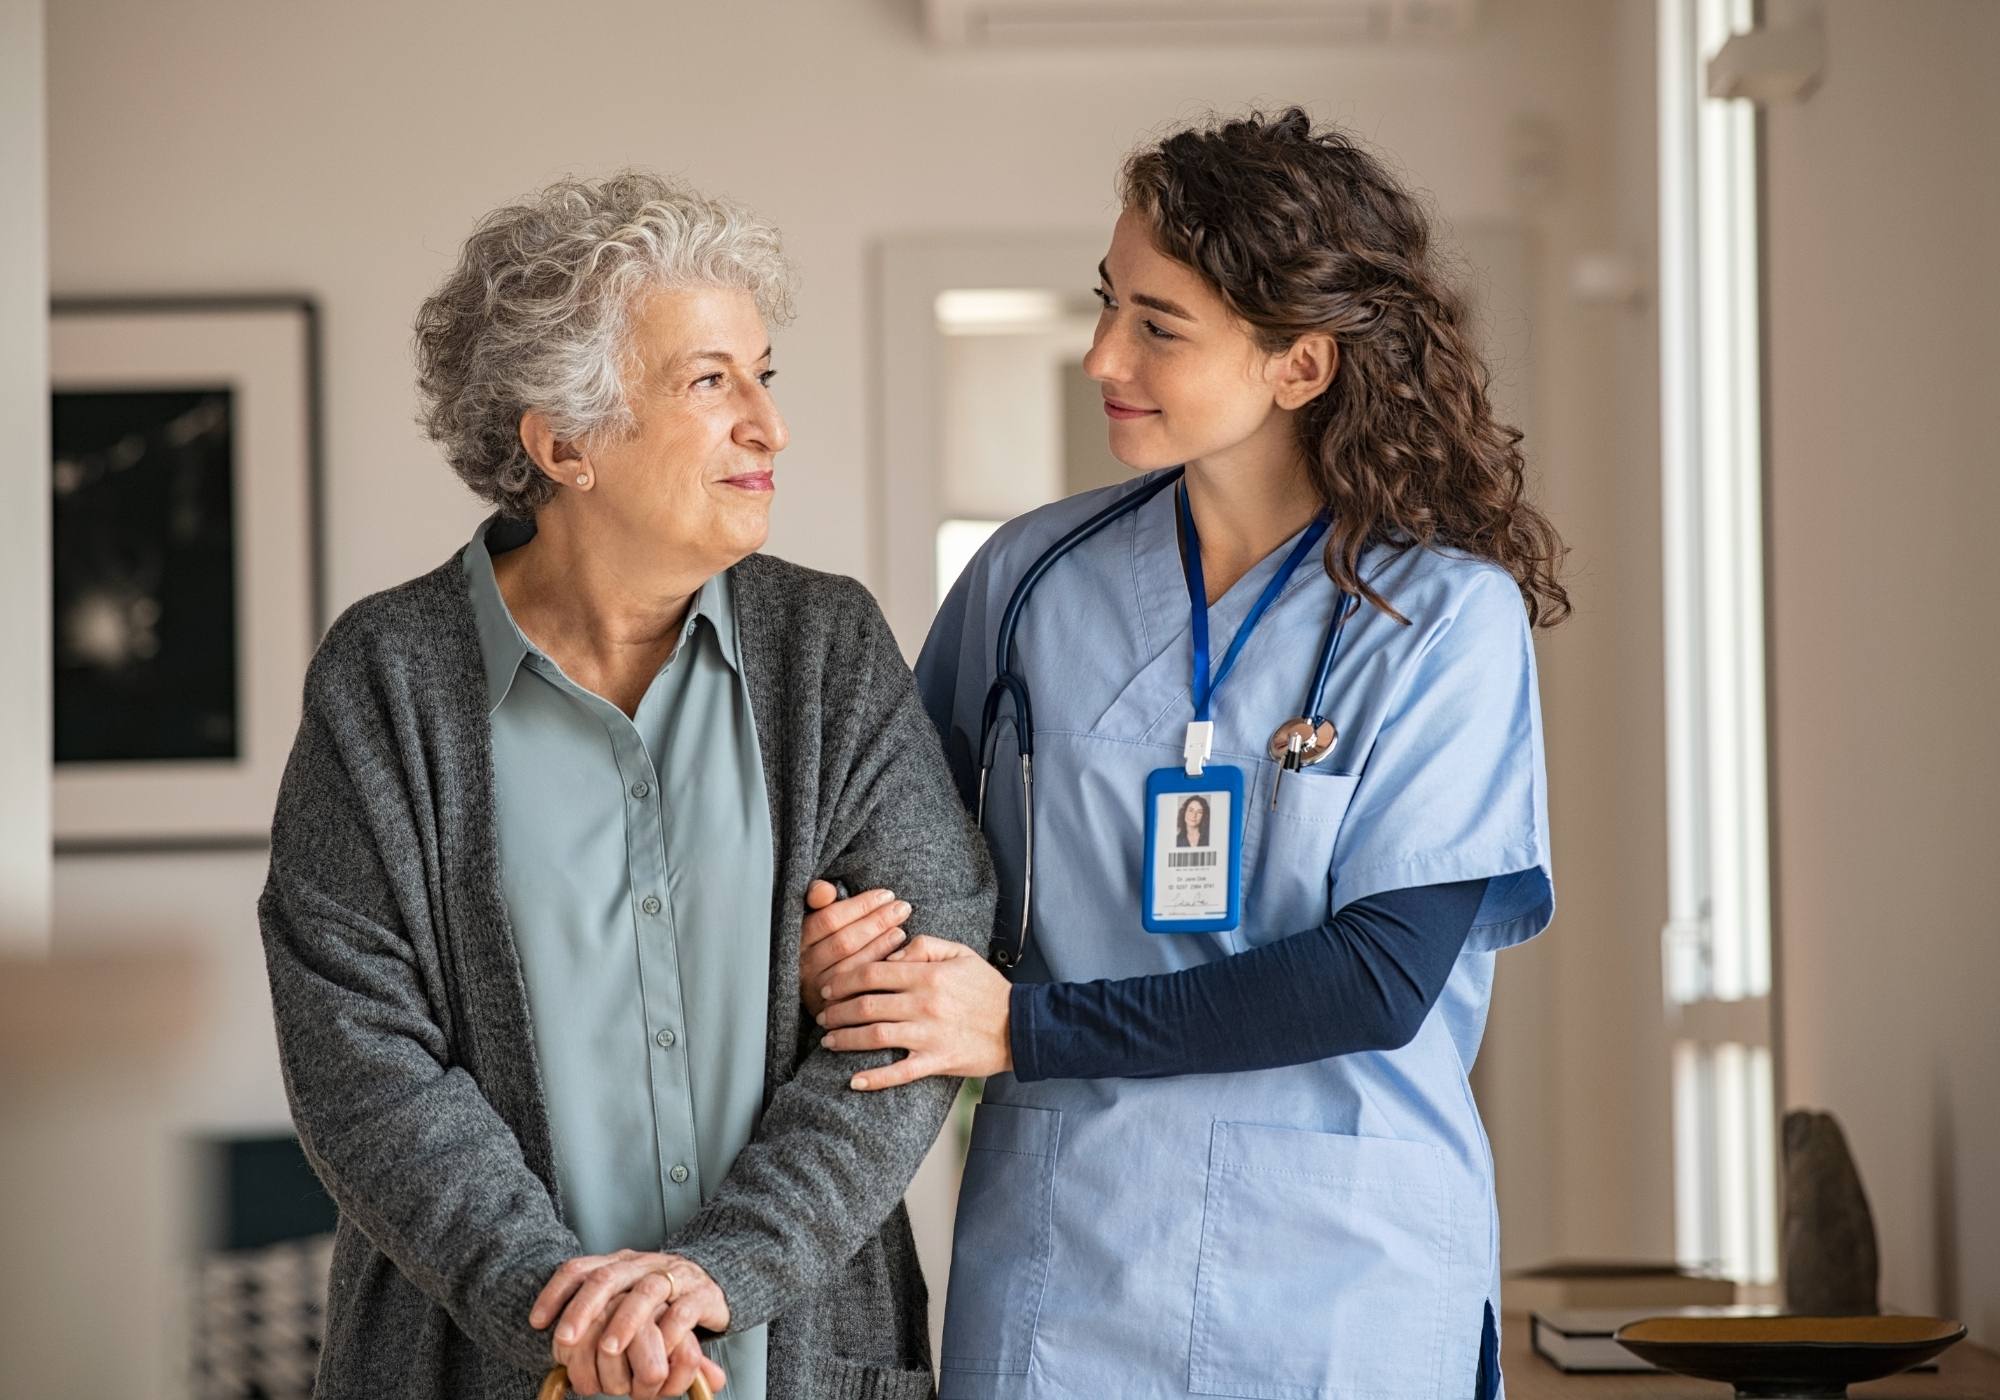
point(1199, 744)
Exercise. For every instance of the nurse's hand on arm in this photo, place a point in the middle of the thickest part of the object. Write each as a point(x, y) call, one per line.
point(941, 1001)
point(843, 934)
point(624, 1327)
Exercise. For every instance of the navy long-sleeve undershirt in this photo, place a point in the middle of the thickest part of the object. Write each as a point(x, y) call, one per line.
point(1363, 981)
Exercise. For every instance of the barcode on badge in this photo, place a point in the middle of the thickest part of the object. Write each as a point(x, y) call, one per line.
point(1189, 860)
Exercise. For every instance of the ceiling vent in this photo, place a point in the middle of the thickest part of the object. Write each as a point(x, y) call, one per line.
point(1068, 23)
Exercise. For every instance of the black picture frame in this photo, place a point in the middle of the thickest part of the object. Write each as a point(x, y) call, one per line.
point(201, 387)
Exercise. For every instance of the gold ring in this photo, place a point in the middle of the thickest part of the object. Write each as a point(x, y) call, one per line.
point(673, 1288)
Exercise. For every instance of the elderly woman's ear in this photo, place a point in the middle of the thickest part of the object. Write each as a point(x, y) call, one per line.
point(560, 461)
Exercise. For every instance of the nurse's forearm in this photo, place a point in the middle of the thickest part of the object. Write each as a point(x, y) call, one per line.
point(1364, 981)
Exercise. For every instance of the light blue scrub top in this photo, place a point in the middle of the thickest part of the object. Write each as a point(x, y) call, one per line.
point(1326, 1230)
point(635, 861)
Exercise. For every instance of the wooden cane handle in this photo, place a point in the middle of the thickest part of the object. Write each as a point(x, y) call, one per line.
point(555, 1385)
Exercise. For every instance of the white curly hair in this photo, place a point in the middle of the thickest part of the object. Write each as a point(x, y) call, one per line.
point(537, 315)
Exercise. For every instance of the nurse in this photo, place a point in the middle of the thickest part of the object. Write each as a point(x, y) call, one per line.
point(1227, 1145)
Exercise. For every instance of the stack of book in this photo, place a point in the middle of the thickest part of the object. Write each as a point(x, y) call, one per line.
point(1580, 1339)
point(1574, 1307)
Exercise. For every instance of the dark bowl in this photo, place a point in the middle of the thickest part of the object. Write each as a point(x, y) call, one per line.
point(1788, 1358)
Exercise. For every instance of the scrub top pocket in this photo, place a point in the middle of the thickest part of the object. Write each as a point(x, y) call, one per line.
point(1288, 852)
point(1323, 1271)
point(1000, 1249)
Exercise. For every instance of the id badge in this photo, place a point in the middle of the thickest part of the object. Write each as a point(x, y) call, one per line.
point(1194, 839)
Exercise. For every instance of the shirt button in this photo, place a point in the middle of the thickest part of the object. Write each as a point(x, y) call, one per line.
point(678, 1174)
point(650, 904)
point(640, 790)
point(665, 1040)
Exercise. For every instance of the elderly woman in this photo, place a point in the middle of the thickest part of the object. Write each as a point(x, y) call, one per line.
point(542, 849)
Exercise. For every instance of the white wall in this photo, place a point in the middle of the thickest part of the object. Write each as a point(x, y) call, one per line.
point(345, 151)
point(150, 1028)
point(1574, 1083)
point(1884, 218)
point(24, 506)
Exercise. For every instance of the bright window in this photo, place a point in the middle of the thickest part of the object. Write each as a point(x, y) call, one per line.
point(1717, 942)
point(957, 542)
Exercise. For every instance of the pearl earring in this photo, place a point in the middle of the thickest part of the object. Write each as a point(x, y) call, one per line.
point(583, 478)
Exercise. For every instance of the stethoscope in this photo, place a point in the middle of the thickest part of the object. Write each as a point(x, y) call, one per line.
point(1302, 740)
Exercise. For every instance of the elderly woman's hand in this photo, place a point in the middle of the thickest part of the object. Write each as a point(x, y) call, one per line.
point(841, 935)
point(937, 999)
point(628, 1327)
point(646, 1369)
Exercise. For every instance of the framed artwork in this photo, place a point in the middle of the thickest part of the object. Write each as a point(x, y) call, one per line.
point(187, 559)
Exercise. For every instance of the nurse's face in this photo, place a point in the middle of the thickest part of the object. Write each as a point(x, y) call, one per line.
point(1182, 378)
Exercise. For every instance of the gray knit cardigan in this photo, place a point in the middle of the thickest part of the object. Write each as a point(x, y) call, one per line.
point(403, 1021)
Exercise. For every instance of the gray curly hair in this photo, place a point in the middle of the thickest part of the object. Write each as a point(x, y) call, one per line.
point(537, 316)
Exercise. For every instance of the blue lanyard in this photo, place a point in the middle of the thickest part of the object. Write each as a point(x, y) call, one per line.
point(1204, 686)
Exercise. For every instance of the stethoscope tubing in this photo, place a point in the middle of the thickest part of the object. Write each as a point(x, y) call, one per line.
point(1010, 618)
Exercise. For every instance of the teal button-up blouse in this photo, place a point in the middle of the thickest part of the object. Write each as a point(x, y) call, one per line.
point(636, 863)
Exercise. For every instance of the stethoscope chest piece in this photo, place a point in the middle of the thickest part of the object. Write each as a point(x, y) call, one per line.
point(1298, 742)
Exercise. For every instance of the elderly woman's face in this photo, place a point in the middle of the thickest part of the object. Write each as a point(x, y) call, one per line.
point(697, 471)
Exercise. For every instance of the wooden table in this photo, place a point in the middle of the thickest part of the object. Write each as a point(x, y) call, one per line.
point(1966, 1372)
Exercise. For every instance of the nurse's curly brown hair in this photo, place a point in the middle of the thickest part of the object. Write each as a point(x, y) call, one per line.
point(1300, 229)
